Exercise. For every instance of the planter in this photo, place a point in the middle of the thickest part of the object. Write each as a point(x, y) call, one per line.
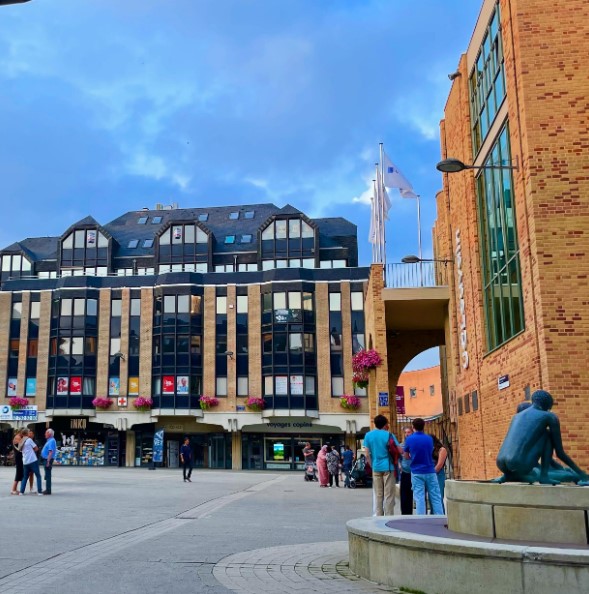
point(350, 402)
point(18, 403)
point(208, 402)
point(143, 404)
point(255, 404)
point(102, 403)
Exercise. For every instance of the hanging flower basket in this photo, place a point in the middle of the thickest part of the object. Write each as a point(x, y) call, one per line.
point(255, 404)
point(350, 402)
point(16, 402)
point(102, 403)
point(360, 380)
point(364, 361)
point(207, 402)
point(143, 404)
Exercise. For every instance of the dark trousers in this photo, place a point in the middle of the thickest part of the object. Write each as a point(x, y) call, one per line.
point(187, 469)
point(48, 467)
point(331, 477)
point(406, 494)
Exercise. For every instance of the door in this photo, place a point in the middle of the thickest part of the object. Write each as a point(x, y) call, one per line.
point(173, 454)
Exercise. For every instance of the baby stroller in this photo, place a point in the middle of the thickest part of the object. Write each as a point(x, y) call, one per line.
point(360, 474)
point(311, 472)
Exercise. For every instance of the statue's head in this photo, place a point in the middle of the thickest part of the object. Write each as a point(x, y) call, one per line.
point(542, 399)
point(522, 406)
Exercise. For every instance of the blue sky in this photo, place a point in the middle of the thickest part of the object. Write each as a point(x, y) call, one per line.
point(108, 106)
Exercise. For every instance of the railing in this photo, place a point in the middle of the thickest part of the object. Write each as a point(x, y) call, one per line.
point(420, 274)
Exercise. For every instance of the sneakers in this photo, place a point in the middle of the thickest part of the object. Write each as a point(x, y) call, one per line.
point(46, 492)
point(40, 494)
point(189, 480)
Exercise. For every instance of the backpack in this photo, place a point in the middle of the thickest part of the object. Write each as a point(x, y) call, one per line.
point(393, 450)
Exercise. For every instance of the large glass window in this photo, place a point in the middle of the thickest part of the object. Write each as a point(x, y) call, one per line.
point(487, 83)
point(500, 250)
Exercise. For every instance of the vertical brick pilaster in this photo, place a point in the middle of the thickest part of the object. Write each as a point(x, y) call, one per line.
point(145, 343)
point(102, 360)
point(24, 334)
point(323, 346)
point(209, 337)
point(43, 353)
point(254, 340)
point(5, 314)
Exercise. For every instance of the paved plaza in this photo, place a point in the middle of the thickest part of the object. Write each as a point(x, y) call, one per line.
point(136, 530)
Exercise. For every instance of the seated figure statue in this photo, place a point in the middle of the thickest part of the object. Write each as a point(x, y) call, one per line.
point(534, 434)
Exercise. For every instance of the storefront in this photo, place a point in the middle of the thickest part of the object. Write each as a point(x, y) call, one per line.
point(83, 443)
point(279, 444)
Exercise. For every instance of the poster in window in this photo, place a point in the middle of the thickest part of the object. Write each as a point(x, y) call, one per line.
point(11, 386)
point(91, 237)
point(182, 385)
point(76, 386)
point(168, 384)
point(133, 386)
point(177, 232)
point(31, 389)
point(61, 389)
point(296, 385)
point(281, 385)
point(114, 386)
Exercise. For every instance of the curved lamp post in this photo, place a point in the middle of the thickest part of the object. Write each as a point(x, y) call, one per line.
point(455, 165)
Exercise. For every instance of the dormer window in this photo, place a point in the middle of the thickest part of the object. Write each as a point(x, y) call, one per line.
point(246, 238)
point(142, 220)
point(229, 239)
point(156, 220)
point(133, 244)
point(248, 214)
point(148, 243)
point(203, 217)
point(288, 243)
point(233, 216)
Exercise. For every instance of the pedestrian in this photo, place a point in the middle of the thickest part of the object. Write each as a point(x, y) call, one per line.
point(439, 455)
point(405, 481)
point(186, 460)
point(48, 455)
point(347, 463)
point(383, 469)
point(30, 464)
point(308, 454)
point(322, 465)
point(332, 458)
point(17, 443)
point(419, 448)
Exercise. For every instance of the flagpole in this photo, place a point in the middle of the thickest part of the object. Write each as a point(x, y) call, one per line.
point(384, 239)
point(419, 240)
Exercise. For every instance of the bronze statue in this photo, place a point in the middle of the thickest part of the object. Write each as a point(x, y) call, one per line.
point(534, 434)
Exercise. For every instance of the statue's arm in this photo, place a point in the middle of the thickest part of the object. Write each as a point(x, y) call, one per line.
point(554, 426)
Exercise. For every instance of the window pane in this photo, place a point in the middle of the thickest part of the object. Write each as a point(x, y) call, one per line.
point(68, 242)
point(201, 236)
point(280, 229)
point(169, 304)
point(294, 228)
point(242, 386)
point(310, 385)
point(221, 305)
point(79, 307)
point(335, 302)
point(242, 304)
point(66, 307)
point(77, 345)
point(357, 299)
point(116, 307)
point(16, 311)
point(35, 310)
point(79, 239)
point(307, 230)
point(115, 346)
point(337, 386)
point(308, 301)
point(183, 303)
point(92, 307)
point(268, 385)
point(268, 232)
point(279, 300)
point(135, 307)
point(221, 386)
point(294, 300)
point(189, 234)
point(296, 342)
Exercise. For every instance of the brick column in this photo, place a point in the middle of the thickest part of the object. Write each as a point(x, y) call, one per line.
point(145, 343)
point(124, 363)
point(254, 340)
point(323, 346)
point(5, 313)
point(208, 347)
point(347, 338)
point(102, 359)
point(22, 351)
point(231, 346)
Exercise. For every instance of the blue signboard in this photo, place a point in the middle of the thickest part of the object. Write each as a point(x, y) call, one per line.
point(158, 446)
point(383, 399)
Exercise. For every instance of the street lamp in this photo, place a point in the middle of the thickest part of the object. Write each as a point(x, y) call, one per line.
point(454, 166)
point(411, 259)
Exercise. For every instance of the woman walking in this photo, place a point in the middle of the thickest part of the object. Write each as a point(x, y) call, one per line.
point(30, 464)
point(333, 466)
point(322, 465)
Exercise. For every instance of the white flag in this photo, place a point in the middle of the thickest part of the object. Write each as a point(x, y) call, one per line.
point(372, 232)
point(393, 178)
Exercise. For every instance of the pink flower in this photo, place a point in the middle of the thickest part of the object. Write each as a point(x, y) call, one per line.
point(102, 402)
point(207, 402)
point(16, 402)
point(255, 404)
point(362, 361)
point(350, 402)
point(143, 403)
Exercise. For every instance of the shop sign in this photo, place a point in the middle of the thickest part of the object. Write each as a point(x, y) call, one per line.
point(503, 382)
point(5, 413)
point(78, 423)
point(461, 303)
point(240, 408)
point(158, 446)
point(383, 399)
point(27, 413)
point(175, 428)
point(290, 425)
point(122, 401)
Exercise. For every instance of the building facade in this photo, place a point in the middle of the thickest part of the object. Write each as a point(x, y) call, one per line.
point(518, 233)
point(175, 304)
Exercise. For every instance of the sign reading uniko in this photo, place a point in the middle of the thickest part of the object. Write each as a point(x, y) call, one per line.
point(461, 305)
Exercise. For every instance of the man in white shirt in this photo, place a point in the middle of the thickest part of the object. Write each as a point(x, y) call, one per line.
point(30, 464)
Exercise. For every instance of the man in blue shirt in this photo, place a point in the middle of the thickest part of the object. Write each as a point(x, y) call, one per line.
point(48, 455)
point(186, 460)
point(419, 448)
point(383, 468)
point(347, 462)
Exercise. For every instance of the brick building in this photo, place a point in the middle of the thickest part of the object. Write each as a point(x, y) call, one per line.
point(421, 392)
point(519, 238)
point(172, 304)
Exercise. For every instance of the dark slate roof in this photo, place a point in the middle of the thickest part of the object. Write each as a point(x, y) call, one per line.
point(125, 228)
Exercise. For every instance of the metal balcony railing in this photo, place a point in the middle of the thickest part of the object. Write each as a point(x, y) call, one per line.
point(420, 274)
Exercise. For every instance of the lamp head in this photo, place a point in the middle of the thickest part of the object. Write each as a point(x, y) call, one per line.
point(411, 259)
point(451, 166)
point(229, 354)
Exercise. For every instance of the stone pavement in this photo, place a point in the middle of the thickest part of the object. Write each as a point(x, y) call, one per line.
point(134, 530)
